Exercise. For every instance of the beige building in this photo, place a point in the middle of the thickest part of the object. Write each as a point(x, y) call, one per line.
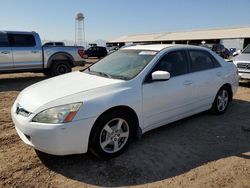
point(237, 37)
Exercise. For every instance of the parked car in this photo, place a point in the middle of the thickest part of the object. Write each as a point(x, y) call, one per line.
point(96, 51)
point(112, 49)
point(221, 50)
point(124, 95)
point(54, 44)
point(23, 51)
point(242, 61)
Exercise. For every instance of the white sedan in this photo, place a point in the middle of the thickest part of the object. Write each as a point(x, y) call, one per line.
point(124, 95)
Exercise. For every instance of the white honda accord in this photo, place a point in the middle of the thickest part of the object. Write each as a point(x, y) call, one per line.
point(124, 95)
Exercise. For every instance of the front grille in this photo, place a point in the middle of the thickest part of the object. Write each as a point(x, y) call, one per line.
point(243, 65)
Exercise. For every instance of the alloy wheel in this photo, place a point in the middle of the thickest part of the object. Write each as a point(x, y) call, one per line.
point(222, 100)
point(114, 135)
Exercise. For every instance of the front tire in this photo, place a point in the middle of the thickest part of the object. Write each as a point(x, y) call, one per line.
point(221, 101)
point(111, 134)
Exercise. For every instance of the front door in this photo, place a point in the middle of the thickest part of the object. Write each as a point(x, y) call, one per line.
point(166, 101)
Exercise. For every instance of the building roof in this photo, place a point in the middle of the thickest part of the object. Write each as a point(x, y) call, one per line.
point(226, 33)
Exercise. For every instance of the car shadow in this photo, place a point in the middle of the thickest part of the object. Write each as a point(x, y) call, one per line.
point(164, 152)
point(18, 83)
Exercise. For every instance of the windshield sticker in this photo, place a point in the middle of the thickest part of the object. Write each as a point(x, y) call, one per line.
point(147, 53)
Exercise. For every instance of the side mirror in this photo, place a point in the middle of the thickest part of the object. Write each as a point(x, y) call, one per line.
point(160, 76)
point(235, 54)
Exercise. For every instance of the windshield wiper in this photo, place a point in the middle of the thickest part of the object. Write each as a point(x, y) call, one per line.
point(100, 73)
point(120, 77)
point(104, 74)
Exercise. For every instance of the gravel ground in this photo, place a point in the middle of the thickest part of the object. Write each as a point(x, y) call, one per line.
point(201, 151)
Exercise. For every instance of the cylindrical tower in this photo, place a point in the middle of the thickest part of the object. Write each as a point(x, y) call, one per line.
point(79, 30)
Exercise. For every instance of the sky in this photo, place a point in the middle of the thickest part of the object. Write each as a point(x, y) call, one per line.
point(109, 19)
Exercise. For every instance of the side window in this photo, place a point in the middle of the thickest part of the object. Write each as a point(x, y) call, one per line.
point(3, 40)
point(174, 62)
point(21, 40)
point(201, 60)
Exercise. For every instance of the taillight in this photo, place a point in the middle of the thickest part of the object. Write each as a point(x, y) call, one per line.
point(81, 52)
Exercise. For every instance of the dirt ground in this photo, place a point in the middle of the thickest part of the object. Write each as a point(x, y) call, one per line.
point(200, 151)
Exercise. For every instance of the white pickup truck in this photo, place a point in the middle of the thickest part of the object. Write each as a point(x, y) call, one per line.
point(23, 52)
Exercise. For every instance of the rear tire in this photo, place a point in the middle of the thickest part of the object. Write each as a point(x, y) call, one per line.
point(111, 134)
point(221, 101)
point(60, 67)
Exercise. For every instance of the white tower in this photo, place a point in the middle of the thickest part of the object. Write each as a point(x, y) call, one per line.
point(79, 30)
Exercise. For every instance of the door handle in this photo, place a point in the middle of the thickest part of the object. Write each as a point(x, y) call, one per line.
point(5, 52)
point(188, 82)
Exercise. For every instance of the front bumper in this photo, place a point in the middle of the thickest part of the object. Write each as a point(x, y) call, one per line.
point(60, 139)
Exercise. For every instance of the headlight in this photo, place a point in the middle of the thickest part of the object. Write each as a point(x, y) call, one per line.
point(59, 114)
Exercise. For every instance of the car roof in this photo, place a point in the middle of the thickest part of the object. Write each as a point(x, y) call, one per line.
point(17, 32)
point(154, 47)
point(159, 47)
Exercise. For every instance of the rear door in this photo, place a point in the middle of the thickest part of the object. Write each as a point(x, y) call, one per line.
point(208, 75)
point(26, 53)
point(6, 60)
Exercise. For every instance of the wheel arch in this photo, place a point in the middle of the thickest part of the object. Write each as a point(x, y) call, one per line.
point(60, 56)
point(115, 108)
point(229, 87)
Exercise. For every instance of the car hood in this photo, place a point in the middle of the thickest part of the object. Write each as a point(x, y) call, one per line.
point(242, 57)
point(59, 87)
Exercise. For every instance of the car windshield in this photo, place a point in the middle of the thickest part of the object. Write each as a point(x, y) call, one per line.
point(123, 64)
point(246, 50)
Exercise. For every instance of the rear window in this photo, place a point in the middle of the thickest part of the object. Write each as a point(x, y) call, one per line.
point(21, 40)
point(3, 40)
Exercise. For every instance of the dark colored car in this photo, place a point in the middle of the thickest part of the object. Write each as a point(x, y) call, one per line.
point(96, 51)
point(221, 50)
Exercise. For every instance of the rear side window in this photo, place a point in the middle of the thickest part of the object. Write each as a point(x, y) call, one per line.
point(201, 60)
point(21, 40)
point(174, 62)
point(3, 40)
